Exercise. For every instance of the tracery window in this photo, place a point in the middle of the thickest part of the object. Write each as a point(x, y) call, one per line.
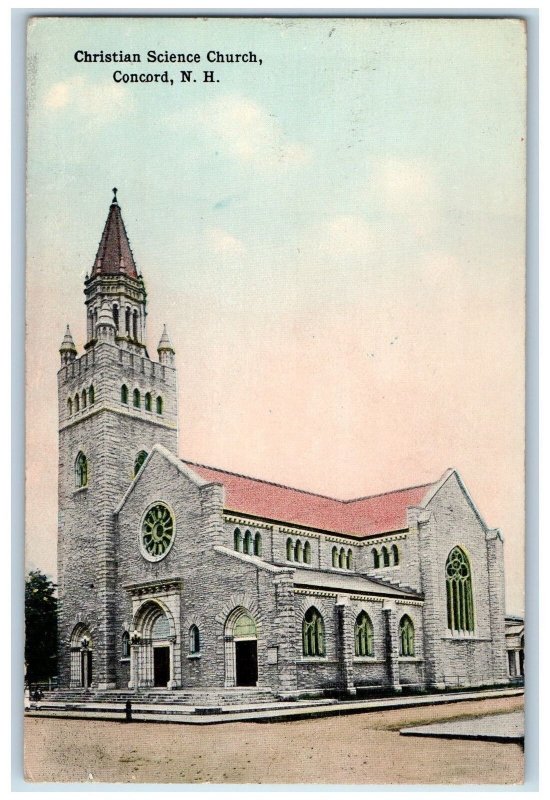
point(406, 636)
point(81, 471)
point(460, 601)
point(138, 463)
point(313, 633)
point(157, 532)
point(194, 640)
point(364, 635)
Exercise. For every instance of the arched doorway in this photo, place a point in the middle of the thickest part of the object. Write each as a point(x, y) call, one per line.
point(152, 647)
point(241, 643)
point(81, 657)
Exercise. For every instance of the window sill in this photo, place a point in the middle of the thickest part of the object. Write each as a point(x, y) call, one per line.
point(125, 660)
point(410, 659)
point(194, 656)
point(81, 489)
point(368, 660)
point(314, 660)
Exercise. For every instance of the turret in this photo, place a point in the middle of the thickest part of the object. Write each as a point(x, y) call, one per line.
point(105, 325)
point(67, 349)
point(165, 350)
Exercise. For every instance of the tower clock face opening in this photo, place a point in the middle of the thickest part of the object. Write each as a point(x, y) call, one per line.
point(157, 532)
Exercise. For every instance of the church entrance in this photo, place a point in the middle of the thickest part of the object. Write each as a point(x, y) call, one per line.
point(246, 663)
point(161, 666)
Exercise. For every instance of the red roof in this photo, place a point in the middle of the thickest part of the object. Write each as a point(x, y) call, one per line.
point(114, 255)
point(365, 516)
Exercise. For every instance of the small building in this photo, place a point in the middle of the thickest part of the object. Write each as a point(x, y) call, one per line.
point(176, 575)
point(515, 644)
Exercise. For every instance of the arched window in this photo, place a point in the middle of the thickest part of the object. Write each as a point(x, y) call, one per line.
point(77, 402)
point(125, 645)
point(159, 405)
point(70, 407)
point(248, 543)
point(364, 635)
point(298, 551)
point(385, 556)
point(375, 558)
point(334, 556)
point(137, 398)
point(115, 316)
point(138, 463)
point(161, 628)
point(395, 554)
point(127, 321)
point(258, 545)
point(289, 550)
point(349, 560)
point(84, 399)
point(124, 394)
point(81, 471)
point(342, 558)
point(91, 394)
point(307, 553)
point(148, 402)
point(406, 636)
point(460, 601)
point(194, 640)
point(238, 540)
point(313, 633)
point(135, 324)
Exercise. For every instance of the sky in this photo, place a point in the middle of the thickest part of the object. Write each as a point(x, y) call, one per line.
point(333, 236)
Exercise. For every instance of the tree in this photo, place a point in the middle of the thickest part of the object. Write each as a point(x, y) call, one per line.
point(40, 627)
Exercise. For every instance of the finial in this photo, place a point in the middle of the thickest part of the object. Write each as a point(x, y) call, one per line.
point(115, 190)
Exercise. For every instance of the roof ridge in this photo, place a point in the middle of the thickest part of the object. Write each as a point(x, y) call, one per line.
point(306, 491)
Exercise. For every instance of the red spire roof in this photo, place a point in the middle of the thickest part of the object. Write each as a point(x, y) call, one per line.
point(363, 517)
point(114, 255)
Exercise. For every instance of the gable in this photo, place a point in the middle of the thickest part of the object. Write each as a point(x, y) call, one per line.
point(451, 494)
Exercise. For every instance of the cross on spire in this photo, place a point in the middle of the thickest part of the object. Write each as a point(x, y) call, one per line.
point(115, 190)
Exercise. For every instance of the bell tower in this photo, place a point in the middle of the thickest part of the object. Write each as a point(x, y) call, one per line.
point(114, 404)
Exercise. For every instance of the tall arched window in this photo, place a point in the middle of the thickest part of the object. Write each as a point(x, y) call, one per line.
point(248, 543)
point(238, 540)
point(139, 460)
point(364, 635)
point(125, 650)
point(298, 551)
point(342, 558)
point(84, 399)
point(70, 407)
point(137, 398)
point(349, 560)
point(307, 553)
point(115, 316)
point(148, 402)
point(194, 640)
point(385, 556)
point(81, 471)
point(124, 394)
point(375, 558)
point(127, 321)
point(91, 394)
point(77, 402)
point(395, 553)
point(313, 633)
point(159, 405)
point(334, 556)
point(258, 545)
point(289, 550)
point(460, 601)
point(135, 324)
point(406, 636)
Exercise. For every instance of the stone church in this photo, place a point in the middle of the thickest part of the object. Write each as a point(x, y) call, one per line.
point(179, 575)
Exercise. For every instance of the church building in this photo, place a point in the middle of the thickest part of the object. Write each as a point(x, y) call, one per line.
point(176, 575)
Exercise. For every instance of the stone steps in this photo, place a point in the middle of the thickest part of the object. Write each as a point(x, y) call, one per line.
point(187, 697)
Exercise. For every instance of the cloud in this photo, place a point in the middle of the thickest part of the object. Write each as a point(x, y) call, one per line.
point(405, 186)
point(247, 132)
point(223, 243)
point(106, 100)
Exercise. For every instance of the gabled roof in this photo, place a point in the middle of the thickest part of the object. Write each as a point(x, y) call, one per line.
point(114, 256)
point(362, 517)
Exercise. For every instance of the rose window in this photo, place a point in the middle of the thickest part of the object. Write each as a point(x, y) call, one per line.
point(157, 532)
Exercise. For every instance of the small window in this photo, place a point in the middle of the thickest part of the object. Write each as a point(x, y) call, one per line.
point(364, 636)
point(84, 399)
point(77, 402)
point(342, 558)
point(70, 407)
point(395, 554)
point(258, 545)
point(135, 324)
point(194, 640)
point(159, 405)
point(139, 460)
point(307, 553)
point(375, 558)
point(289, 550)
point(238, 538)
point(248, 543)
point(386, 556)
point(349, 560)
point(148, 402)
point(298, 551)
point(125, 645)
point(406, 636)
point(334, 556)
point(81, 471)
point(137, 398)
point(116, 316)
point(124, 395)
point(91, 394)
point(313, 633)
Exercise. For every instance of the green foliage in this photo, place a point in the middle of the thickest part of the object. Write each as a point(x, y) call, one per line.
point(40, 627)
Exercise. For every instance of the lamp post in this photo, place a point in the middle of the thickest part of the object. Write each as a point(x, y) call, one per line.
point(135, 641)
point(85, 656)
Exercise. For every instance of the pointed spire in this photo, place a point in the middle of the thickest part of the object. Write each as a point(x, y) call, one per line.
point(165, 350)
point(114, 255)
point(68, 348)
